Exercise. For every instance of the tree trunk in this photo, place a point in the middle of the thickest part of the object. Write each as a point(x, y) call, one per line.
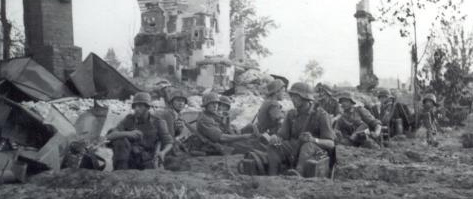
point(6, 25)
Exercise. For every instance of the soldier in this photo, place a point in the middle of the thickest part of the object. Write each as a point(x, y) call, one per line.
point(164, 89)
point(327, 101)
point(394, 116)
point(429, 118)
point(270, 114)
point(357, 127)
point(135, 139)
point(305, 134)
point(224, 107)
point(171, 114)
point(209, 126)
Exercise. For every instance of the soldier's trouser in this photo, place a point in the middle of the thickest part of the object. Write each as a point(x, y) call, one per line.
point(128, 156)
point(243, 147)
point(291, 154)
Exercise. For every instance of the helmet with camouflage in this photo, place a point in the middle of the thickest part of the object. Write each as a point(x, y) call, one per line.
point(347, 96)
point(384, 92)
point(225, 100)
point(430, 97)
point(163, 84)
point(210, 98)
point(303, 90)
point(141, 98)
point(274, 86)
point(178, 93)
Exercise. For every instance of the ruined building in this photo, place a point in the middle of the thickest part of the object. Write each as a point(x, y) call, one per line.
point(49, 36)
point(185, 40)
point(368, 79)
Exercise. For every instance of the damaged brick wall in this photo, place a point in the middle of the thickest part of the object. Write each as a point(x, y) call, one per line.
point(49, 35)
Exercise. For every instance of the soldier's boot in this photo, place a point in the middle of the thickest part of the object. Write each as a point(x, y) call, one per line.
point(274, 162)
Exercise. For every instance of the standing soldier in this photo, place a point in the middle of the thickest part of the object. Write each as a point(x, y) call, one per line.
point(356, 125)
point(270, 114)
point(394, 116)
point(429, 118)
point(135, 139)
point(327, 101)
point(209, 126)
point(304, 135)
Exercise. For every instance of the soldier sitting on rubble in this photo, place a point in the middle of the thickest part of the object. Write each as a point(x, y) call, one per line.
point(224, 107)
point(306, 134)
point(136, 138)
point(163, 91)
point(394, 116)
point(215, 139)
point(429, 118)
point(270, 114)
point(356, 127)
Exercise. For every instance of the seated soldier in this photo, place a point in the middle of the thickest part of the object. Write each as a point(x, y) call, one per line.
point(270, 114)
point(209, 126)
point(306, 134)
point(429, 118)
point(357, 127)
point(394, 116)
point(327, 101)
point(135, 140)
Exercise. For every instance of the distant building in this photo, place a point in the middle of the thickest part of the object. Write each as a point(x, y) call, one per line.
point(185, 40)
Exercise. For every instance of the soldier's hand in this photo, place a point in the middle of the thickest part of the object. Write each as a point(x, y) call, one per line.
point(275, 140)
point(160, 157)
point(305, 137)
point(377, 132)
point(135, 134)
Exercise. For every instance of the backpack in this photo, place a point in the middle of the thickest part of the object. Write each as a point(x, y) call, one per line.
point(255, 162)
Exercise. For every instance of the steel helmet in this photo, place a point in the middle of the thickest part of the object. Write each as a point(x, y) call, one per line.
point(178, 93)
point(142, 98)
point(209, 98)
point(347, 96)
point(274, 86)
point(430, 97)
point(303, 90)
point(385, 92)
point(225, 100)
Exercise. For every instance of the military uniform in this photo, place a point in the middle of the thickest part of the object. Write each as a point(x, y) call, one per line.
point(429, 119)
point(139, 154)
point(331, 106)
point(269, 116)
point(357, 119)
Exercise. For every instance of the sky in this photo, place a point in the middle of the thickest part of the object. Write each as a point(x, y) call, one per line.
point(324, 30)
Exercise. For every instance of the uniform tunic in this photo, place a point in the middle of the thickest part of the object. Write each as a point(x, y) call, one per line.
point(269, 115)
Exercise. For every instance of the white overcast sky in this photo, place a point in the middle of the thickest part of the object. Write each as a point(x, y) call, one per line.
point(324, 30)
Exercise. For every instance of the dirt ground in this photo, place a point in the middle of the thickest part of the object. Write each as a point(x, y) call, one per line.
point(407, 169)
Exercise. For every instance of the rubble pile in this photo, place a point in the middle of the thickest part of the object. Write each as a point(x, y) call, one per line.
point(252, 81)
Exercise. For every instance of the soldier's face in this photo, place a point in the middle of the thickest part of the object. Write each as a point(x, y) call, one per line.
point(297, 101)
point(428, 104)
point(212, 107)
point(346, 104)
point(382, 99)
point(140, 109)
point(280, 93)
point(179, 104)
point(223, 109)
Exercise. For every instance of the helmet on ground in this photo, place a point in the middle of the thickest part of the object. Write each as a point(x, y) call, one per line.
point(303, 90)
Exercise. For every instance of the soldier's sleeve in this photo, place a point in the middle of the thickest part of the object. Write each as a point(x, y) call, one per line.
point(163, 133)
point(368, 118)
point(325, 126)
point(209, 129)
point(121, 125)
point(285, 130)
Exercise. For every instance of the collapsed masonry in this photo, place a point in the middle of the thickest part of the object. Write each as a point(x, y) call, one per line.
point(187, 41)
